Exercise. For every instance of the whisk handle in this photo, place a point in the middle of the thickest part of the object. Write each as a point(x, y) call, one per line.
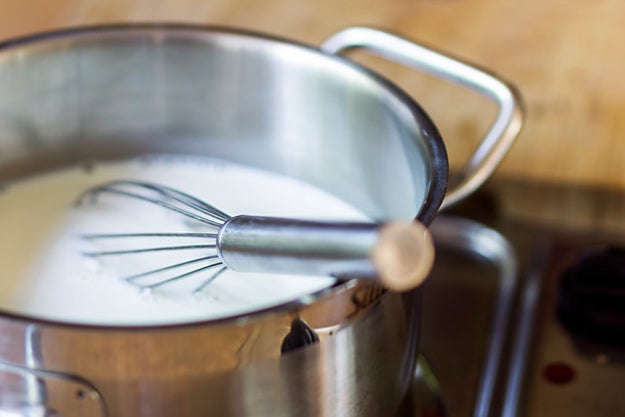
point(398, 254)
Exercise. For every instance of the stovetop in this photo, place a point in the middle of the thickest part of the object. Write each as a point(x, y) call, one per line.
point(509, 329)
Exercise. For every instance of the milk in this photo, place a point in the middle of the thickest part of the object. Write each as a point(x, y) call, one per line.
point(45, 274)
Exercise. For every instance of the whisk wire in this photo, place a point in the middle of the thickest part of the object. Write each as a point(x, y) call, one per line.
point(181, 276)
point(185, 198)
point(96, 254)
point(163, 204)
point(209, 214)
point(209, 280)
point(170, 267)
point(95, 236)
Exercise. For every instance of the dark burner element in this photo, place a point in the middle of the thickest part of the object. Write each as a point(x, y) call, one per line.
point(591, 298)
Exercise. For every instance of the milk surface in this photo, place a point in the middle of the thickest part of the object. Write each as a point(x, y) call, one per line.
point(46, 275)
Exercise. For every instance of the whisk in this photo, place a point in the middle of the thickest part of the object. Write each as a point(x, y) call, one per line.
point(397, 254)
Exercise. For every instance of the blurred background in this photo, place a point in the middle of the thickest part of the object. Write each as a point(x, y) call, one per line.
point(566, 58)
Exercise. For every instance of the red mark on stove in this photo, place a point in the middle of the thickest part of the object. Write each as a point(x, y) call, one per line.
point(559, 373)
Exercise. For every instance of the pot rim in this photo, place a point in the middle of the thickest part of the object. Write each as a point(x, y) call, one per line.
point(435, 147)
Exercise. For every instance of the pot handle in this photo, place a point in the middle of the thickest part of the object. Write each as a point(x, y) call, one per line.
point(503, 131)
point(25, 391)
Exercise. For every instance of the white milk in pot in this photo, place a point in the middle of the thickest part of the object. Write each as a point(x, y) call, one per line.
point(46, 275)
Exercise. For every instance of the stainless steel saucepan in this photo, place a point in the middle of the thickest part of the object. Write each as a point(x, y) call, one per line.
point(120, 91)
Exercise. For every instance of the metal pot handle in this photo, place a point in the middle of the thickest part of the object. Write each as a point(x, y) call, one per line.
point(503, 131)
point(25, 391)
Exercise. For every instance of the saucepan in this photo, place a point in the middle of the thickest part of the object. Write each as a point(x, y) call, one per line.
point(104, 93)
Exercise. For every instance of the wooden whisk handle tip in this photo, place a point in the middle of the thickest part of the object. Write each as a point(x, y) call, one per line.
point(404, 255)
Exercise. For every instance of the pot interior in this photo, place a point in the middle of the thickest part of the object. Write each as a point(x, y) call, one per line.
point(119, 92)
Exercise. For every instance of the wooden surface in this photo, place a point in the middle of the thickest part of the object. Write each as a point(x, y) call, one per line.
point(566, 57)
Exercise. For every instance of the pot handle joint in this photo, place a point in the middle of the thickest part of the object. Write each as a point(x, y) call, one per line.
point(503, 131)
point(25, 391)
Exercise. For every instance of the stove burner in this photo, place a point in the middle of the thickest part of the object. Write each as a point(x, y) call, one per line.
point(591, 298)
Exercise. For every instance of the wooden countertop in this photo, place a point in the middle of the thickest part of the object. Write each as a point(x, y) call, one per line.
point(566, 57)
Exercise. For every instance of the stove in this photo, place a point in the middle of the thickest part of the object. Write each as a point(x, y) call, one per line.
point(520, 319)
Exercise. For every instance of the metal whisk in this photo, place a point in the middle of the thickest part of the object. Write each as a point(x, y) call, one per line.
point(396, 254)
